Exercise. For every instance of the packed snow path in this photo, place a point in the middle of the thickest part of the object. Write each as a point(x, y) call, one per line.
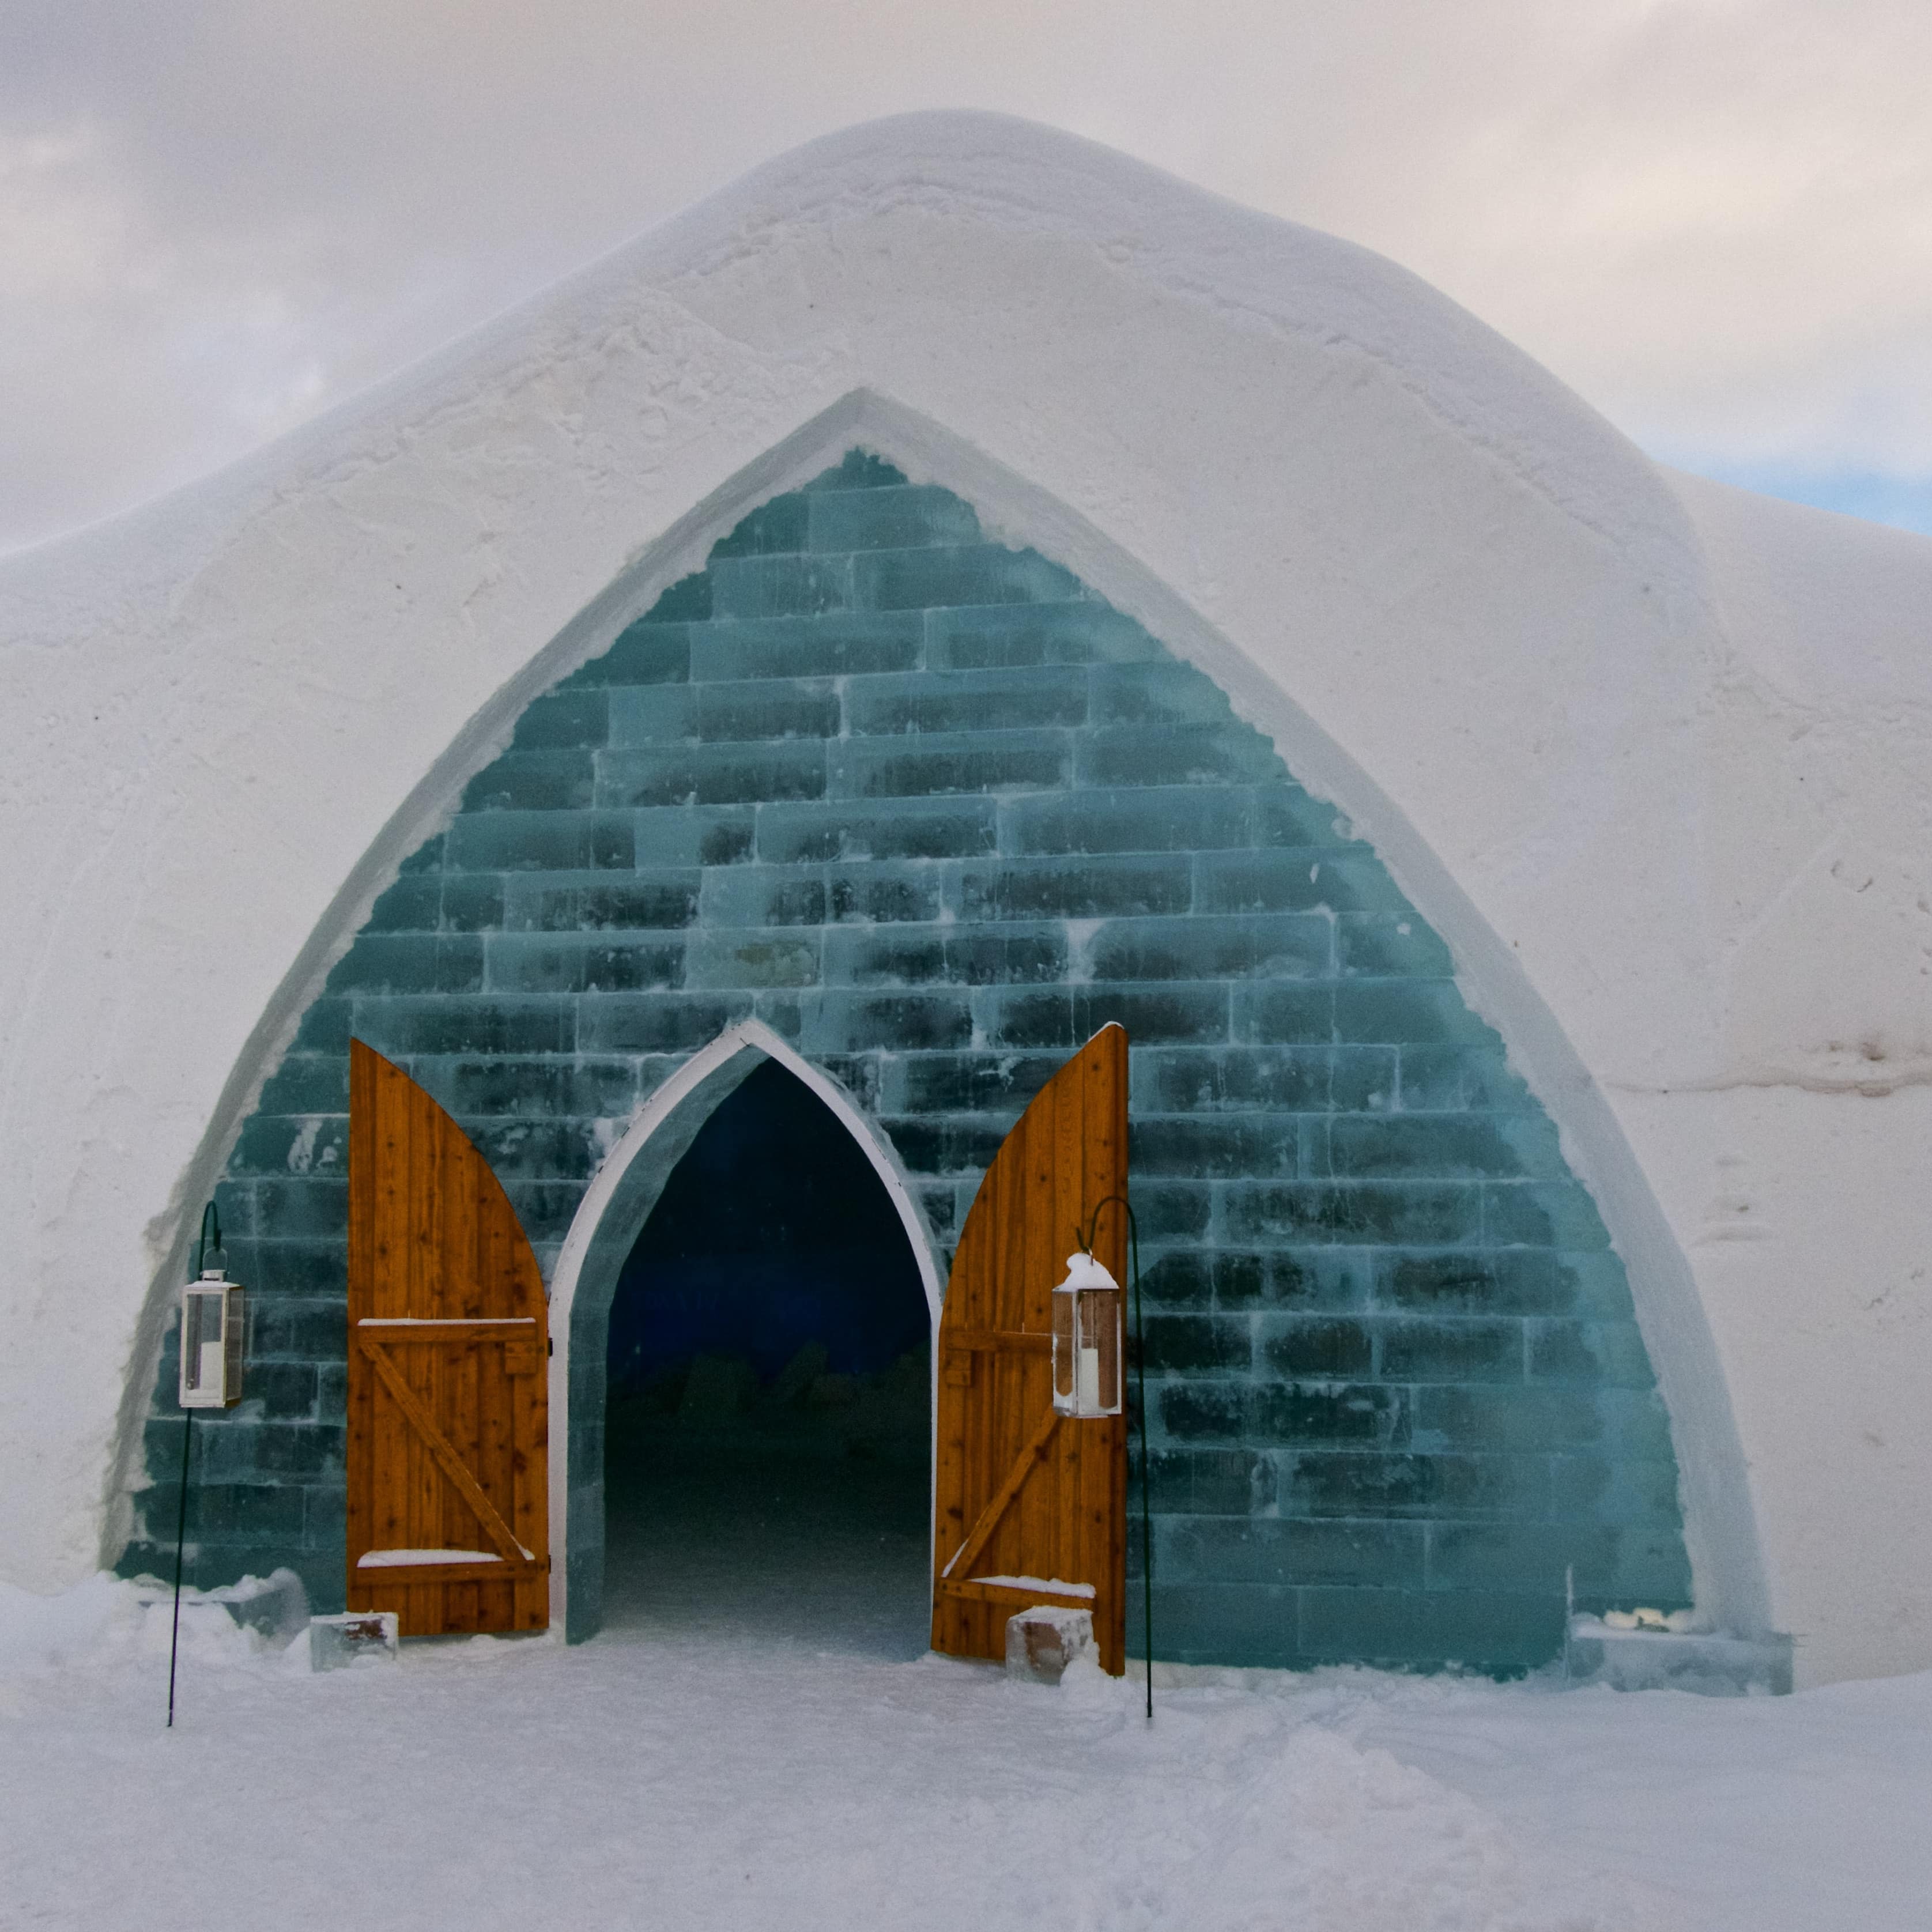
point(737, 1537)
point(702, 1778)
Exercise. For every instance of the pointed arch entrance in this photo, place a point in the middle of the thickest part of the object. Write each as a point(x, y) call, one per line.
point(600, 1238)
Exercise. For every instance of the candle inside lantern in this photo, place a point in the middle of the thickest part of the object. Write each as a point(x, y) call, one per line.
point(1087, 1340)
point(1087, 1393)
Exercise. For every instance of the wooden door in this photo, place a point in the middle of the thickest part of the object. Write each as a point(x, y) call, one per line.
point(1031, 1507)
point(448, 1380)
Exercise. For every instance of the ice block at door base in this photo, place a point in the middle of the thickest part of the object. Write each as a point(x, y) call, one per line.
point(1041, 1642)
point(360, 1636)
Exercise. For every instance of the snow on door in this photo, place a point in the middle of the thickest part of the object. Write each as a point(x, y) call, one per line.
point(1031, 1507)
point(447, 1399)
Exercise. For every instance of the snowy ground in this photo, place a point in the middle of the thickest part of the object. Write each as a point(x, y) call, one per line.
point(794, 1762)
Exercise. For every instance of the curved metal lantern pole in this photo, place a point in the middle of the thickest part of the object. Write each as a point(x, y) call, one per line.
point(207, 1214)
point(1140, 1386)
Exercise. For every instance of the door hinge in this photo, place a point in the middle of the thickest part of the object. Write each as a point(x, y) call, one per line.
point(550, 1345)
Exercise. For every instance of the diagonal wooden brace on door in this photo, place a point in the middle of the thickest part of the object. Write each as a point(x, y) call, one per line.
point(517, 1560)
point(1001, 1501)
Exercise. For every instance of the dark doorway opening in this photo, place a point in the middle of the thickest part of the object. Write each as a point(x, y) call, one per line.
point(768, 1425)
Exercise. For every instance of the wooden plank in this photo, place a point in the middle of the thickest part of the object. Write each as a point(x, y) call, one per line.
point(486, 1405)
point(525, 1423)
point(414, 1328)
point(1010, 1595)
point(399, 1575)
point(1031, 1544)
point(991, 1341)
point(1103, 1478)
point(358, 1448)
point(442, 1247)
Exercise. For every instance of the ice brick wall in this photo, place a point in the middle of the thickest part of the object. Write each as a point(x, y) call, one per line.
point(935, 813)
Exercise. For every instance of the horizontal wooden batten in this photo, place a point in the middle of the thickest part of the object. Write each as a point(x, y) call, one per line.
point(401, 1576)
point(1008, 1593)
point(409, 1328)
point(392, 1559)
point(998, 1341)
point(1047, 1586)
point(516, 1333)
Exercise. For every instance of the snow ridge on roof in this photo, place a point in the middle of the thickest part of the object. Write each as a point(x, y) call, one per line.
point(1067, 193)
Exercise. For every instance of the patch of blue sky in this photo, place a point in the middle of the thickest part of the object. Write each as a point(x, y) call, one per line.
point(1905, 502)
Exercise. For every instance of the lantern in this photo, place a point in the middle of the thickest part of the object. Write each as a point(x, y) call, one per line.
point(211, 1341)
point(1087, 1340)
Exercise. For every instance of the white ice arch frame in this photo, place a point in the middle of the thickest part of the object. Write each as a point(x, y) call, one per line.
point(1721, 1532)
point(606, 1224)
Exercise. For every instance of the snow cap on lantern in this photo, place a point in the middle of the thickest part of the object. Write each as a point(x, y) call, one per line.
point(1087, 1339)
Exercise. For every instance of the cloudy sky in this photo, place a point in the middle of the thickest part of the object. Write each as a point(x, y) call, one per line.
point(1711, 217)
